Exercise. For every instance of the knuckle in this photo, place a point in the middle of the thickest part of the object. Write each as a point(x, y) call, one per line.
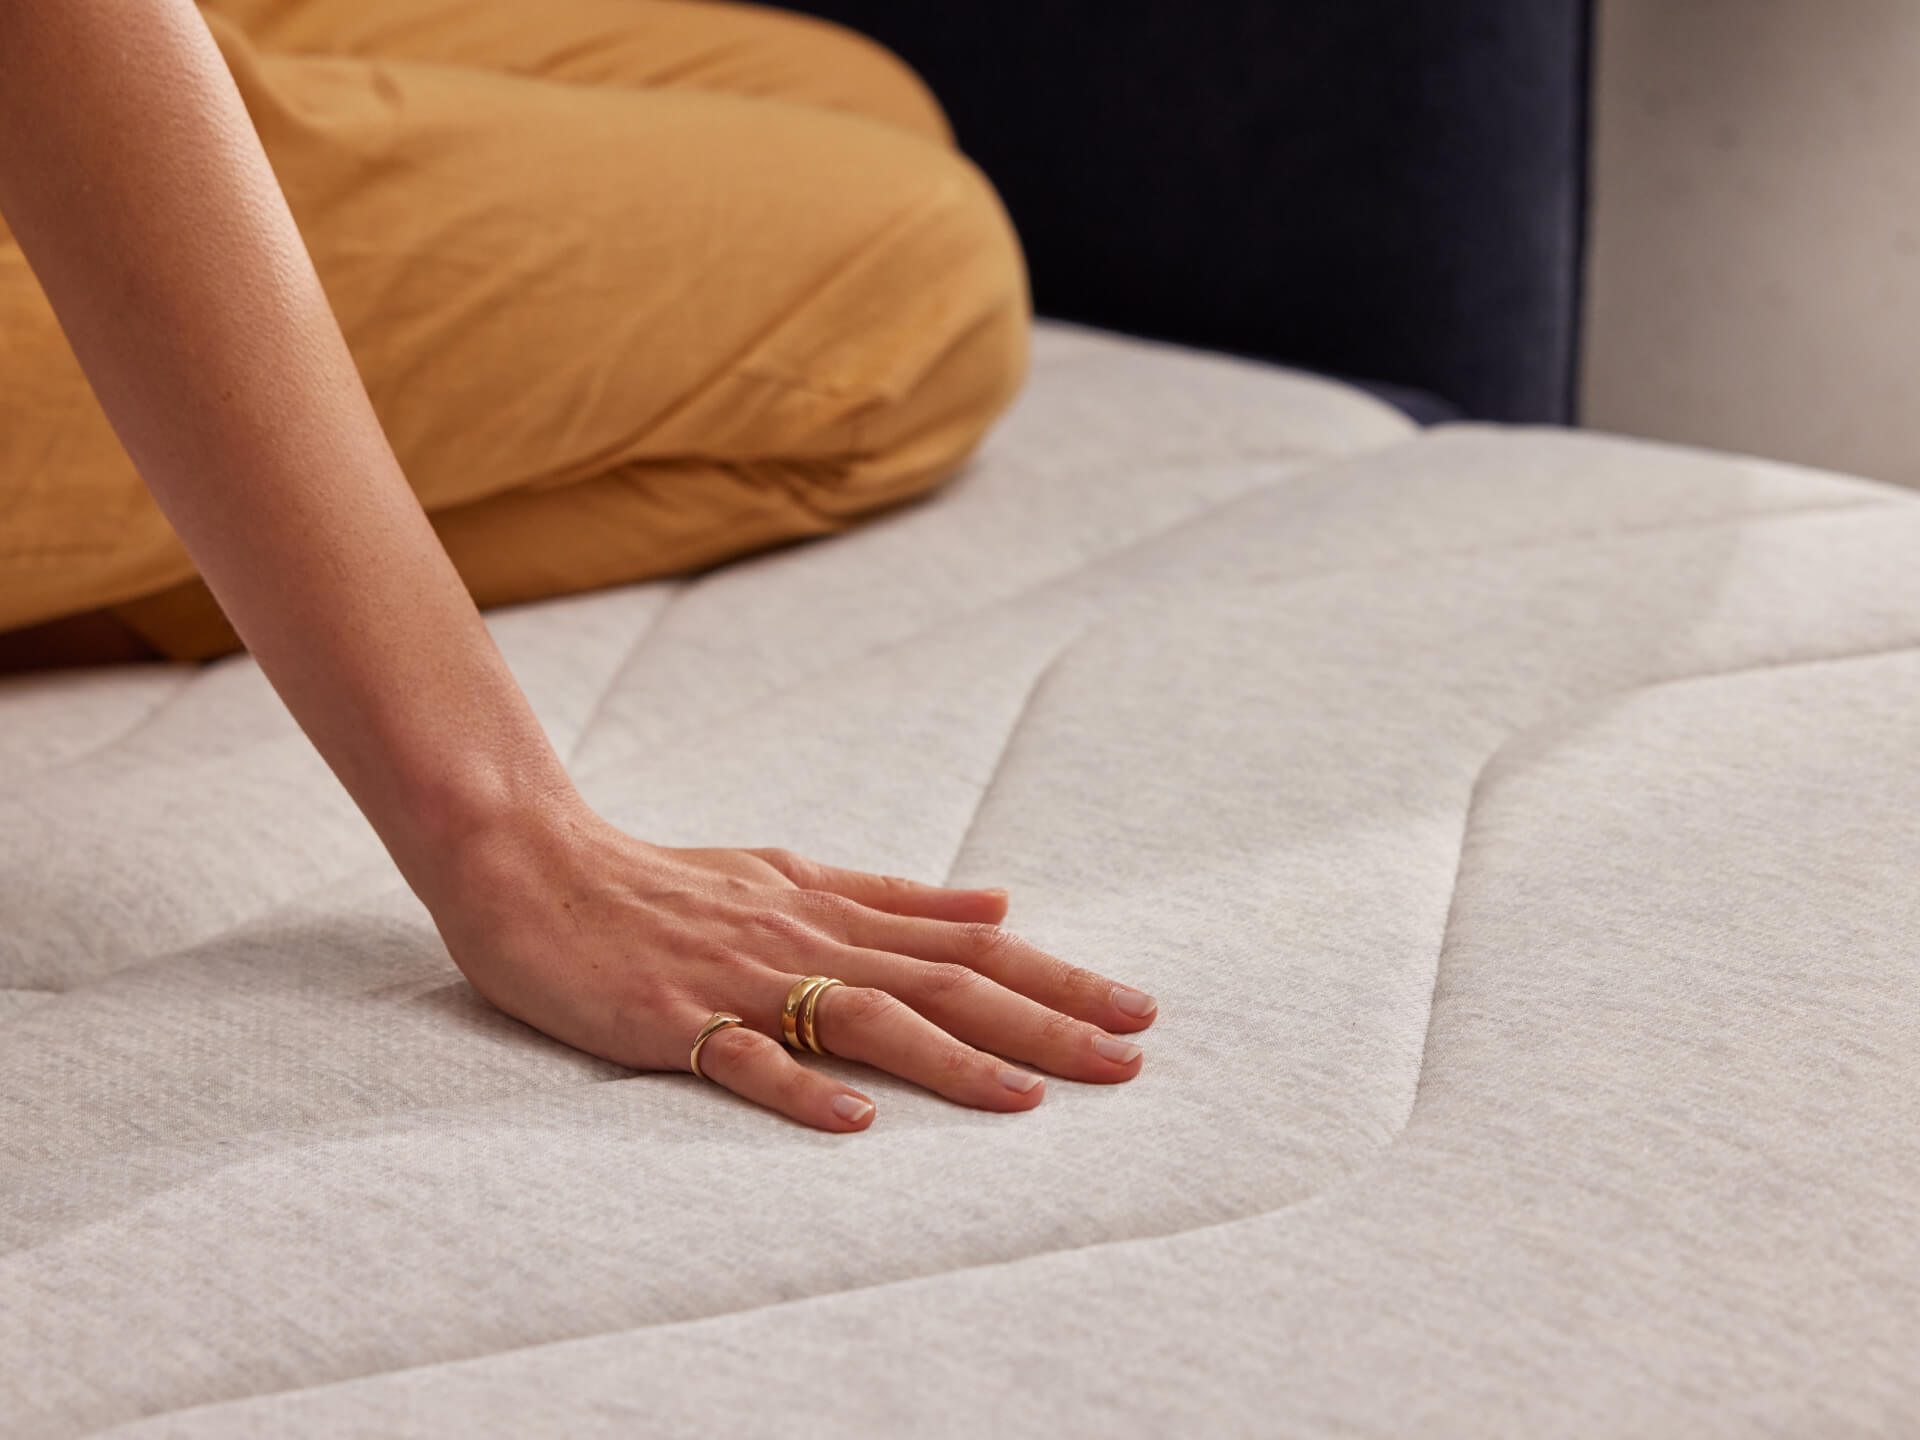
point(1058, 1029)
point(728, 964)
point(636, 1006)
point(665, 939)
point(777, 856)
point(958, 1063)
point(733, 1047)
point(791, 1084)
point(866, 1006)
point(947, 980)
point(779, 929)
point(1068, 977)
point(988, 942)
point(805, 873)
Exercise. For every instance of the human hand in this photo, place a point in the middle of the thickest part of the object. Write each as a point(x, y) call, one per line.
point(625, 949)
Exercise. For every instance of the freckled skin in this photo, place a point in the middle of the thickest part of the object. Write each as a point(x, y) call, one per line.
point(140, 195)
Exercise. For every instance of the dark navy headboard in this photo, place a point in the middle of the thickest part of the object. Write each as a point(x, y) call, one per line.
point(1382, 188)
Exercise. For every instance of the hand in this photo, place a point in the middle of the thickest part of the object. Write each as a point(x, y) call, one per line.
point(624, 949)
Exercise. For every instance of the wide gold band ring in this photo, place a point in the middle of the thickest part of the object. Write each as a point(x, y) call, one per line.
point(719, 1021)
point(796, 1016)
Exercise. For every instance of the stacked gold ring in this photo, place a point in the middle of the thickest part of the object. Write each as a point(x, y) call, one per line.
point(796, 1016)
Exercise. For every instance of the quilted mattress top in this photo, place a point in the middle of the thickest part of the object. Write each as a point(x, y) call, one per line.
point(1520, 830)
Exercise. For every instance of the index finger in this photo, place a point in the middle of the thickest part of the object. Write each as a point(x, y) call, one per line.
point(1002, 956)
point(890, 893)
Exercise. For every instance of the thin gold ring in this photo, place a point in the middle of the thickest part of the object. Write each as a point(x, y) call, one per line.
point(720, 1020)
point(808, 1032)
point(790, 1012)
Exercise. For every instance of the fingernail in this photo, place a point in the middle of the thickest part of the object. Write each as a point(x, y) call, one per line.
point(851, 1108)
point(1133, 1002)
point(995, 890)
point(1117, 1051)
point(1020, 1080)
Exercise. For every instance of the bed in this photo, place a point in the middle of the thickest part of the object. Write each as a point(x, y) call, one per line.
point(1517, 827)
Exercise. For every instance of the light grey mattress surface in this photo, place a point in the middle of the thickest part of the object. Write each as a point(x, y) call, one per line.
point(1520, 830)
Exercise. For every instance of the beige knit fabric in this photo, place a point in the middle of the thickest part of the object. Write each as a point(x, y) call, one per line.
point(1518, 829)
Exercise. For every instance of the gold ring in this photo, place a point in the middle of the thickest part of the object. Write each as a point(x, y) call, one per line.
point(808, 1032)
point(720, 1020)
point(790, 1012)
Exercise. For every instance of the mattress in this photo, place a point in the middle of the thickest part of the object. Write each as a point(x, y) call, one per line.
point(1519, 828)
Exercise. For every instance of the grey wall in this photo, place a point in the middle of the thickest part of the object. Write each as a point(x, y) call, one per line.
point(1754, 253)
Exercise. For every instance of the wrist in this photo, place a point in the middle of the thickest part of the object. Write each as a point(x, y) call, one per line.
point(453, 829)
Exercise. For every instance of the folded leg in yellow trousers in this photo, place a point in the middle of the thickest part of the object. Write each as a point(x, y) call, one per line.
point(635, 286)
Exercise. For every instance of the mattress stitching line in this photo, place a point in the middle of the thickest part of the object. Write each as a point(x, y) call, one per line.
point(1317, 1197)
point(1311, 462)
point(1374, 1156)
point(1059, 579)
point(620, 669)
point(1006, 748)
point(1587, 703)
point(1485, 769)
point(1046, 582)
point(1093, 564)
point(119, 737)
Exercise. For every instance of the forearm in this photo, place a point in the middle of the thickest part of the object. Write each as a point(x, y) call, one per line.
point(138, 190)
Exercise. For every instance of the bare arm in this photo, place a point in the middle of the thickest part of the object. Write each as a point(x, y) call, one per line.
point(140, 194)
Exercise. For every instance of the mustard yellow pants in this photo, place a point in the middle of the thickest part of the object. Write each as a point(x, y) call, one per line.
point(635, 286)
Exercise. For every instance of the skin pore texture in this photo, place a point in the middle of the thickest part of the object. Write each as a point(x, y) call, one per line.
point(139, 193)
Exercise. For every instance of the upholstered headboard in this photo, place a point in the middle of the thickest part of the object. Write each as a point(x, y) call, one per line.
point(1379, 188)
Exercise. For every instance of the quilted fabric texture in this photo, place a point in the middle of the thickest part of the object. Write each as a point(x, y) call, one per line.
point(1518, 828)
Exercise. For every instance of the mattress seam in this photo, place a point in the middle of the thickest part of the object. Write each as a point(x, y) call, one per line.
point(1480, 777)
point(1321, 1196)
point(317, 1132)
point(1057, 580)
point(620, 668)
point(133, 727)
point(1083, 568)
point(1006, 748)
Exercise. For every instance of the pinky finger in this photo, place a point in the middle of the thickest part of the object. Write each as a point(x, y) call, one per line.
point(758, 1068)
